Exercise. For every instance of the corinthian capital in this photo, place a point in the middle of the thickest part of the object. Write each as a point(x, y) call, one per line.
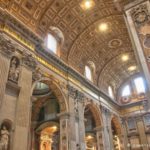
point(37, 74)
point(29, 61)
point(6, 47)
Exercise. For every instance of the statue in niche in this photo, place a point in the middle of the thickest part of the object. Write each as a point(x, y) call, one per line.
point(4, 138)
point(14, 70)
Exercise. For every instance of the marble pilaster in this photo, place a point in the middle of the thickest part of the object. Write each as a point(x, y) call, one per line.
point(22, 122)
point(100, 137)
point(6, 51)
point(141, 131)
point(107, 140)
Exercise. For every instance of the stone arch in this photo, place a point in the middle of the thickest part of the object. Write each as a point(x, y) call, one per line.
point(117, 124)
point(96, 113)
point(55, 87)
point(58, 33)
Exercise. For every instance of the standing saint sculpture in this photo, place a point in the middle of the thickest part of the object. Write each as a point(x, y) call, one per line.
point(4, 138)
point(14, 70)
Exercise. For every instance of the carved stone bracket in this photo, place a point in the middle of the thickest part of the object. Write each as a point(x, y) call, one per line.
point(6, 47)
point(29, 61)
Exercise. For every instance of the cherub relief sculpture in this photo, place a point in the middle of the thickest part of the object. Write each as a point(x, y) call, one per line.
point(4, 138)
point(14, 70)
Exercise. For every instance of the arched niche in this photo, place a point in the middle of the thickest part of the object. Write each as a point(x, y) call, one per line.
point(48, 101)
point(56, 89)
point(92, 123)
point(6, 134)
point(14, 69)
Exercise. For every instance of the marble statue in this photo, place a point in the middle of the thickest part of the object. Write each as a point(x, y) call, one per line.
point(14, 70)
point(4, 138)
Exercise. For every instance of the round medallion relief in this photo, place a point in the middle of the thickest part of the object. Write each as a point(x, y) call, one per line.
point(115, 43)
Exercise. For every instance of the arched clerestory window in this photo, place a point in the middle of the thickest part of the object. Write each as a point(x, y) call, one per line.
point(88, 73)
point(126, 91)
point(139, 84)
point(54, 40)
point(52, 43)
point(110, 92)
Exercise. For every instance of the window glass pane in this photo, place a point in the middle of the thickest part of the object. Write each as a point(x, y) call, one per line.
point(139, 85)
point(110, 91)
point(126, 91)
point(88, 73)
point(52, 43)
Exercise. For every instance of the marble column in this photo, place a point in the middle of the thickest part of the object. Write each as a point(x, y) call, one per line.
point(100, 137)
point(72, 126)
point(6, 52)
point(77, 130)
point(64, 130)
point(141, 131)
point(22, 122)
point(81, 129)
point(124, 135)
point(107, 140)
point(109, 128)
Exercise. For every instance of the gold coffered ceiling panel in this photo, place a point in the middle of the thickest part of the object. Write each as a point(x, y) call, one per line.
point(83, 40)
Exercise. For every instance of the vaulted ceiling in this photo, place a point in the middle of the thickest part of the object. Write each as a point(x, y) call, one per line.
point(83, 40)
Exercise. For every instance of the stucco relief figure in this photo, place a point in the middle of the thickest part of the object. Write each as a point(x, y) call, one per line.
point(14, 70)
point(4, 138)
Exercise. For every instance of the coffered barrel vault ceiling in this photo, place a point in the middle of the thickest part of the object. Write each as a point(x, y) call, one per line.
point(83, 41)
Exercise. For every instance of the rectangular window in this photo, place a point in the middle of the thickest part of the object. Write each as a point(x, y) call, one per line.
point(52, 43)
point(139, 84)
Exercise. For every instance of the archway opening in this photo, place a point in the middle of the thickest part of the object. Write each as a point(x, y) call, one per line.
point(90, 133)
point(45, 121)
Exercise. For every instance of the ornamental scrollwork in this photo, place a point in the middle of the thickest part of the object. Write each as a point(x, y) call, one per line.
point(140, 15)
